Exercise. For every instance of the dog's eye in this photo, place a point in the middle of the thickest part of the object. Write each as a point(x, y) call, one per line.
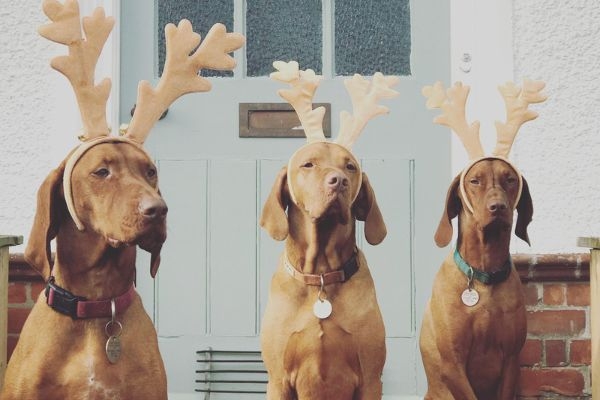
point(101, 172)
point(351, 167)
point(307, 165)
point(511, 180)
point(151, 173)
point(474, 181)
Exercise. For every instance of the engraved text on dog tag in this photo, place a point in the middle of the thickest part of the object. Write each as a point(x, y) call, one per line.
point(470, 297)
point(113, 349)
point(322, 308)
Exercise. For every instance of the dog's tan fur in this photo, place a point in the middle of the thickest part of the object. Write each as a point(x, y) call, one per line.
point(472, 353)
point(340, 357)
point(61, 358)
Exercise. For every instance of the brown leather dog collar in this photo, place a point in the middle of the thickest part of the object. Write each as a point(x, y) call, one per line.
point(77, 307)
point(343, 274)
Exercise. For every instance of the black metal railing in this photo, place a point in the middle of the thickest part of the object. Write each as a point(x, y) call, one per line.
point(230, 371)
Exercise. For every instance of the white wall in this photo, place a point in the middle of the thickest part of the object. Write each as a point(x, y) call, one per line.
point(34, 117)
point(39, 118)
point(556, 41)
point(559, 153)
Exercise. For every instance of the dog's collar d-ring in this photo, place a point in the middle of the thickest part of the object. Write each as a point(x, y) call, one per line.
point(464, 172)
point(78, 307)
point(487, 278)
point(343, 274)
point(75, 156)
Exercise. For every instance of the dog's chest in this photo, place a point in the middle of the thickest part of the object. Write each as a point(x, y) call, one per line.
point(498, 322)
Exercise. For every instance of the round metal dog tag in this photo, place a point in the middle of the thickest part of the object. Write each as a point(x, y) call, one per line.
point(470, 297)
point(322, 308)
point(113, 349)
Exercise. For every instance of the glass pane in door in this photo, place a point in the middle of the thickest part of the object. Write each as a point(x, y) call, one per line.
point(372, 36)
point(283, 30)
point(201, 13)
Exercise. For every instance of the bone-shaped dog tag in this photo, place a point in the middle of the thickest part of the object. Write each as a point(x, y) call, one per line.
point(322, 308)
point(113, 349)
point(470, 297)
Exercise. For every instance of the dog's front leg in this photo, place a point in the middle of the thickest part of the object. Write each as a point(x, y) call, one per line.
point(369, 391)
point(454, 375)
point(280, 389)
point(510, 375)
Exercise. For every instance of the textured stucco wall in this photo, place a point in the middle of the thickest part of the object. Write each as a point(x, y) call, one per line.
point(36, 112)
point(559, 153)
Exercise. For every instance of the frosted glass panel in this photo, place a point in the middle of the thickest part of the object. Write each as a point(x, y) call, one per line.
point(372, 36)
point(283, 30)
point(202, 14)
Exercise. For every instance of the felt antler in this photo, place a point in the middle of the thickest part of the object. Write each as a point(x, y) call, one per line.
point(304, 85)
point(80, 64)
point(364, 96)
point(452, 103)
point(517, 113)
point(180, 74)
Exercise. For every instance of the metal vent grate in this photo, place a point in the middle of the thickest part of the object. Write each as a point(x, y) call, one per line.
point(230, 371)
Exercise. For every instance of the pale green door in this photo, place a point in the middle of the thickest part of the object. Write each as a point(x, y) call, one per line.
point(212, 285)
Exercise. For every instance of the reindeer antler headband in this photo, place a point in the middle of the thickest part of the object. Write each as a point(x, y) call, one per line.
point(452, 102)
point(180, 75)
point(364, 96)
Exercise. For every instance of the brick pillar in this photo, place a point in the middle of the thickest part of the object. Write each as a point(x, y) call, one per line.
point(593, 243)
point(555, 361)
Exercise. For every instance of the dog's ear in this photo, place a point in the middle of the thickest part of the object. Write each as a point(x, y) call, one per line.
point(273, 218)
point(50, 212)
point(366, 209)
point(443, 235)
point(524, 213)
point(155, 255)
point(154, 261)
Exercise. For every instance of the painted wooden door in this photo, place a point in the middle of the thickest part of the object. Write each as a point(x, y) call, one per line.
point(213, 282)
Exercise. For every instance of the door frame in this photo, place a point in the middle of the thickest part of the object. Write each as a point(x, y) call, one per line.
point(483, 30)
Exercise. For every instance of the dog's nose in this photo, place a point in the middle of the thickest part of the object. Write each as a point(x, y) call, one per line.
point(497, 205)
point(152, 207)
point(336, 181)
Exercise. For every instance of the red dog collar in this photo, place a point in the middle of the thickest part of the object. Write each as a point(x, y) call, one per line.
point(77, 307)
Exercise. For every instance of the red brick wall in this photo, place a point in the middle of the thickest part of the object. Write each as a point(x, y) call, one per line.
point(555, 362)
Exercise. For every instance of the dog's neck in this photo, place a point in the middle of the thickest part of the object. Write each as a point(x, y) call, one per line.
point(87, 266)
point(485, 248)
point(317, 247)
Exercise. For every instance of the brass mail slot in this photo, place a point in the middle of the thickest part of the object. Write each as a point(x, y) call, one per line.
point(272, 120)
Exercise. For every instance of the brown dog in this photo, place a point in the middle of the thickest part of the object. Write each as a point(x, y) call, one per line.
point(88, 336)
point(340, 356)
point(64, 357)
point(471, 351)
